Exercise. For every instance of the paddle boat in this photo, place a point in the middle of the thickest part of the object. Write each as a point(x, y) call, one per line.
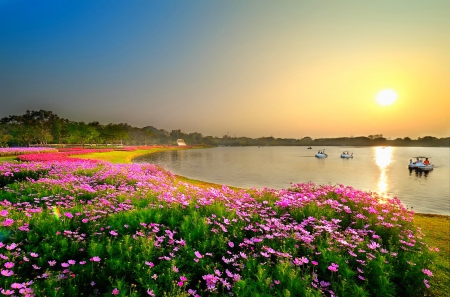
point(421, 164)
point(346, 155)
point(321, 154)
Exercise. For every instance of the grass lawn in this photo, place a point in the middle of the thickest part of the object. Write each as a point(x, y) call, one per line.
point(8, 158)
point(437, 231)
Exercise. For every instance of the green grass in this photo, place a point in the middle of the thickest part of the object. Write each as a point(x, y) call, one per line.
point(126, 156)
point(437, 234)
point(8, 158)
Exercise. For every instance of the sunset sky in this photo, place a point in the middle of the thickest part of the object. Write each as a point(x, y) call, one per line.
point(285, 69)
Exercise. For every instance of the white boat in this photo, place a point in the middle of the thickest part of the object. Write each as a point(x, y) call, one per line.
point(346, 155)
point(421, 164)
point(321, 154)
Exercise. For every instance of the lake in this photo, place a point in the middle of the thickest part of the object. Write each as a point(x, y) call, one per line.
point(378, 169)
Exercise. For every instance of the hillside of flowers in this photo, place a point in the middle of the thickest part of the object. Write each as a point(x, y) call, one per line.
point(84, 228)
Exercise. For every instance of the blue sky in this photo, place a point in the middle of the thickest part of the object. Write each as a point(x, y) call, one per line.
point(247, 68)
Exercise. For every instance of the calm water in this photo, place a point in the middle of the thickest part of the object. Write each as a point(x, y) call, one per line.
point(382, 170)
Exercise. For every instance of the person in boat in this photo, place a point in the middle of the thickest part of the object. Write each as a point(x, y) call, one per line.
point(417, 161)
point(426, 162)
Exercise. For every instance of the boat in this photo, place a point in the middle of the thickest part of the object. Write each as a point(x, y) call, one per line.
point(346, 155)
point(309, 148)
point(421, 164)
point(321, 154)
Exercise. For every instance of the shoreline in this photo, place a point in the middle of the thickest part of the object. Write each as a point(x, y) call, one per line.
point(126, 157)
point(129, 155)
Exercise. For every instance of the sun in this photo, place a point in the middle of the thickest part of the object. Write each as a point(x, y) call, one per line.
point(386, 97)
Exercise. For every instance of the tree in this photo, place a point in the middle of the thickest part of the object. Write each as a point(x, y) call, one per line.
point(4, 135)
point(83, 132)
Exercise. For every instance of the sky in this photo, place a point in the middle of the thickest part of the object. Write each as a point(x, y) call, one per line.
point(286, 69)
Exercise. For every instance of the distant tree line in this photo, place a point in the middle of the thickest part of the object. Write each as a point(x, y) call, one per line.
point(44, 128)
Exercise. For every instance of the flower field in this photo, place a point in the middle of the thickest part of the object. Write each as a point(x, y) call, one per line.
point(83, 228)
point(15, 151)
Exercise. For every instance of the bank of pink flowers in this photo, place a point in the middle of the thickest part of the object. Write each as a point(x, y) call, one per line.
point(62, 156)
point(85, 228)
point(15, 151)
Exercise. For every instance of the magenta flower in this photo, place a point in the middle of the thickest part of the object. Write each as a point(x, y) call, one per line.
point(7, 272)
point(65, 264)
point(95, 259)
point(52, 263)
point(425, 271)
point(113, 233)
point(333, 267)
point(198, 255)
point(230, 244)
point(426, 283)
point(149, 263)
point(8, 222)
point(373, 245)
point(34, 255)
point(115, 291)
point(9, 265)
point(72, 262)
point(69, 215)
point(150, 292)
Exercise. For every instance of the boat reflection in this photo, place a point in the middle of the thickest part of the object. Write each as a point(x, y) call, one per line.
point(418, 172)
point(383, 158)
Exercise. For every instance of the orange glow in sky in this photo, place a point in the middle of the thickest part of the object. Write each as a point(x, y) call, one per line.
point(286, 69)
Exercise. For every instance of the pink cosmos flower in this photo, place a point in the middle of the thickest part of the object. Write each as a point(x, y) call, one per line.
point(95, 259)
point(9, 265)
point(230, 244)
point(333, 267)
point(65, 264)
point(8, 222)
point(115, 291)
point(198, 255)
point(426, 283)
point(150, 292)
point(425, 271)
point(34, 255)
point(149, 263)
point(7, 272)
point(373, 245)
point(11, 247)
point(52, 263)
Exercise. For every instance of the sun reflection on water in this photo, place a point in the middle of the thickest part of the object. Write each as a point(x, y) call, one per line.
point(383, 158)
